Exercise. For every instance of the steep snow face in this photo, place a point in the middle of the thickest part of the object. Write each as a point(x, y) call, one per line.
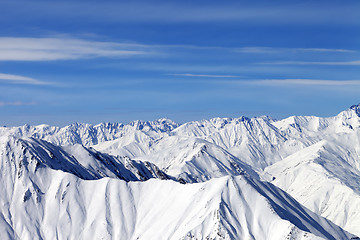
point(191, 159)
point(323, 179)
point(133, 144)
point(52, 204)
point(27, 156)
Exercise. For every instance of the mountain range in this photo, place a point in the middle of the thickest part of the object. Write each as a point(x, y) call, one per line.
point(223, 178)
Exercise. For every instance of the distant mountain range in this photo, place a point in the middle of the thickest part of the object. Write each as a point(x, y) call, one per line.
point(223, 178)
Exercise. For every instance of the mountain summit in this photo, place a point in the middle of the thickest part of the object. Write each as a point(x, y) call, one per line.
point(356, 108)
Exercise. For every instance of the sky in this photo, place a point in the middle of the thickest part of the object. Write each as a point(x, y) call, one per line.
point(116, 61)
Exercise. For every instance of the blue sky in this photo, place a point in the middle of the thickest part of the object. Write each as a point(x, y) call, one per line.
point(116, 61)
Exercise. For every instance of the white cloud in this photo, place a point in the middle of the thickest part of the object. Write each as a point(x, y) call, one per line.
point(290, 82)
point(306, 82)
point(326, 50)
point(16, 103)
point(49, 49)
point(68, 48)
point(202, 75)
point(278, 50)
point(16, 79)
point(258, 50)
point(344, 63)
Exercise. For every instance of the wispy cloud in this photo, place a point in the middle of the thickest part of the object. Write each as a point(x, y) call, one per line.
point(48, 49)
point(287, 82)
point(202, 75)
point(257, 50)
point(286, 50)
point(69, 48)
point(16, 103)
point(309, 82)
point(16, 79)
point(344, 63)
point(325, 50)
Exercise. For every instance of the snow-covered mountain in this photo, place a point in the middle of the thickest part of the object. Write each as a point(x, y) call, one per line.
point(315, 160)
point(55, 204)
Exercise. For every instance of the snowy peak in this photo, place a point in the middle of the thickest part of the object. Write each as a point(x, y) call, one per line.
point(309, 126)
point(356, 108)
point(160, 125)
point(221, 130)
point(195, 160)
point(204, 127)
point(133, 144)
point(352, 112)
point(27, 156)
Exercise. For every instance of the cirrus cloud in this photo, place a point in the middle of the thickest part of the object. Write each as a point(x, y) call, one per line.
point(290, 82)
point(309, 82)
point(17, 79)
point(344, 63)
point(202, 75)
point(50, 49)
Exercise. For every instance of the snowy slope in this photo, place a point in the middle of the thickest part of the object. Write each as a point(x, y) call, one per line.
point(27, 156)
point(321, 178)
point(249, 139)
point(190, 159)
point(52, 204)
point(133, 144)
point(345, 122)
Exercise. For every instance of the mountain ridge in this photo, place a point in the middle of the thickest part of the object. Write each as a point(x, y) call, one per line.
point(290, 153)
